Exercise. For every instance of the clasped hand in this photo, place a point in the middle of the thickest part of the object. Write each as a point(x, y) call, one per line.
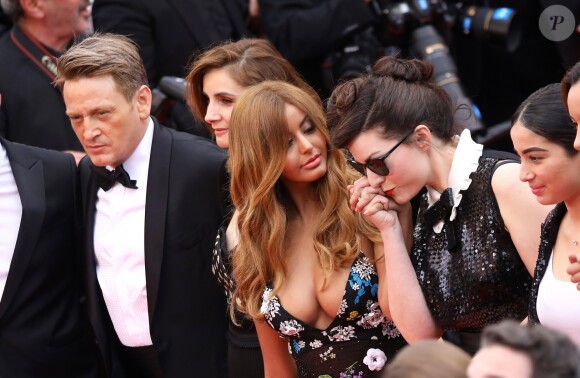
point(373, 203)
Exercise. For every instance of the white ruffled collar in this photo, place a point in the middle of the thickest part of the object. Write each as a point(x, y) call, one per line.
point(465, 162)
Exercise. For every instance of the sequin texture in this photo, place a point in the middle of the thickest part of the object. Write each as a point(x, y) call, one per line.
point(482, 279)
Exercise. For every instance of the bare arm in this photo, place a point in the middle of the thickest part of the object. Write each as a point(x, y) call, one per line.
point(522, 214)
point(405, 219)
point(407, 304)
point(278, 362)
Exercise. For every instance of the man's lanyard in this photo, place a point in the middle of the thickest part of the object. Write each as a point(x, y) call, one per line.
point(34, 50)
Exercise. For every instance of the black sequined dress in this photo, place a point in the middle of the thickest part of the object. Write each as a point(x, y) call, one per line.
point(470, 272)
point(339, 350)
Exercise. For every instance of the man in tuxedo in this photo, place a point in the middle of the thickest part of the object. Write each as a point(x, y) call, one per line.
point(33, 112)
point(169, 33)
point(152, 206)
point(44, 331)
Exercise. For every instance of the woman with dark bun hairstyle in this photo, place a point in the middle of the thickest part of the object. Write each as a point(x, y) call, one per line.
point(477, 231)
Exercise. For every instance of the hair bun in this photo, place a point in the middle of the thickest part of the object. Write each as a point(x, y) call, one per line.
point(344, 96)
point(412, 70)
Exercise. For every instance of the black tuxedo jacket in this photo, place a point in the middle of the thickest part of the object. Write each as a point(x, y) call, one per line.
point(43, 330)
point(187, 311)
point(168, 32)
point(33, 110)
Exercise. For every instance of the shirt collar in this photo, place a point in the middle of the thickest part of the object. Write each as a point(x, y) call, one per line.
point(137, 165)
point(465, 162)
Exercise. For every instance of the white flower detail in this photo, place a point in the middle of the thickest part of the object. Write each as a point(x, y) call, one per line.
point(355, 286)
point(270, 306)
point(340, 333)
point(315, 344)
point(364, 268)
point(375, 359)
point(290, 328)
point(373, 318)
point(342, 308)
point(390, 330)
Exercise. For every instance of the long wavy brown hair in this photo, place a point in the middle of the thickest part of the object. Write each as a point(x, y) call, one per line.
point(259, 130)
point(249, 61)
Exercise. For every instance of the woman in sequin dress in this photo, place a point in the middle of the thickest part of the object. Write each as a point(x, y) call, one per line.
point(570, 88)
point(215, 81)
point(477, 230)
point(307, 269)
point(543, 135)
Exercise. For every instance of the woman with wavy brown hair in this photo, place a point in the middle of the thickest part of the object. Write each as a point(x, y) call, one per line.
point(307, 269)
point(215, 81)
point(219, 75)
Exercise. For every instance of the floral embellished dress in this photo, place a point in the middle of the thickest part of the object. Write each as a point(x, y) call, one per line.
point(339, 350)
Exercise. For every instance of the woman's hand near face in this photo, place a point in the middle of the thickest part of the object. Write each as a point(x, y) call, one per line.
point(373, 203)
point(400, 288)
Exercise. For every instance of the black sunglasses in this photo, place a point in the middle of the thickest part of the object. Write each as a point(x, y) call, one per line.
point(377, 165)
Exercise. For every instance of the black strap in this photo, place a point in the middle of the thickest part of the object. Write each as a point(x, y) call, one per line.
point(33, 49)
point(500, 155)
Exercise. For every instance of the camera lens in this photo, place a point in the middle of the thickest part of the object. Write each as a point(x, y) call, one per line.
point(431, 47)
point(502, 26)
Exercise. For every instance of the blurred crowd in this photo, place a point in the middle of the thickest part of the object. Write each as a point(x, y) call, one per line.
point(153, 229)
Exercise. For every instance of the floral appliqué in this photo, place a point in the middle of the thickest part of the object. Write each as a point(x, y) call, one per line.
point(361, 278)
point(375, 359)
point(340, 333)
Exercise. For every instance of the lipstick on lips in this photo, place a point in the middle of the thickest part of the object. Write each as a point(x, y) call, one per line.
point(312, 162)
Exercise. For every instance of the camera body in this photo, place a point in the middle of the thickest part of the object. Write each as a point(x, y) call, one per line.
point(420, 28)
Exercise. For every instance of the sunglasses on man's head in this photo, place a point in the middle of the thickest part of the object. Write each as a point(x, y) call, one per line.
point(377, 165)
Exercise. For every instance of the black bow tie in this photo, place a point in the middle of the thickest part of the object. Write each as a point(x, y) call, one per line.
point(441, 210)
point(106, 179)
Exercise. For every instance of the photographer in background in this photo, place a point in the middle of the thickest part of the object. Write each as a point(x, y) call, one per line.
point(307, 31)
point(330, 38)
point(169, 33)
point(33, 111)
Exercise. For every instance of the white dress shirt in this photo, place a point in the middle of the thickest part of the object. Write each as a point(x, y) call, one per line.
point(10, 216)
point(119, 242)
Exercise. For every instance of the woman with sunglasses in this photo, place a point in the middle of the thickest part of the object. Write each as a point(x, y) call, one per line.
point(308, 270)
point(477, 232)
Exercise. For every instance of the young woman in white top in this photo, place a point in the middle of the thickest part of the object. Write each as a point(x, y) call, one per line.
point(543, 135)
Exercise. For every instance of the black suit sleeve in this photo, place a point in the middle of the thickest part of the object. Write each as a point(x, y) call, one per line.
point(307, 29)
point(130, 18)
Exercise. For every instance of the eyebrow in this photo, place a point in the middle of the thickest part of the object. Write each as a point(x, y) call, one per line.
point(220, 94)
point(534, 149)
point(303, 120)
point(226, 94)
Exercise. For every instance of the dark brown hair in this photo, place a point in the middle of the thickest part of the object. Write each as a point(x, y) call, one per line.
point(248, 61)
point(572, 77)
point(553, 354)
point(544, 114)
point(395, 97)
